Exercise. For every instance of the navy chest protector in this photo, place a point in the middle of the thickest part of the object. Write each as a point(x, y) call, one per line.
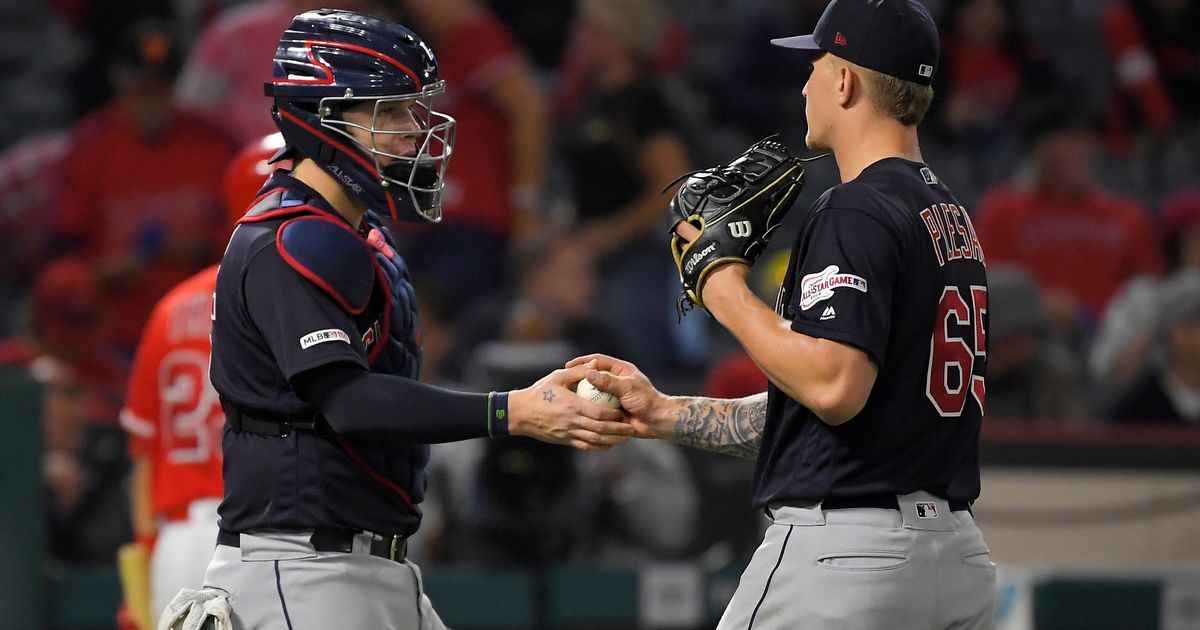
point(326, 251)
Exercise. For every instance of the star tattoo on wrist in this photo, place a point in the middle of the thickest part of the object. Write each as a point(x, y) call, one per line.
point(548, 395)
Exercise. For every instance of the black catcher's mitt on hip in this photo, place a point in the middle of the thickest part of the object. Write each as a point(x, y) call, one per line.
point(736, 208)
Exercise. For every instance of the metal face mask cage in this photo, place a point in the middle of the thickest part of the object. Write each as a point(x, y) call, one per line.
point(421, 175)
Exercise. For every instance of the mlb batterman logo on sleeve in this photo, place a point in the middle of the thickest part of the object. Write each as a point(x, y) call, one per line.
point(321, 336)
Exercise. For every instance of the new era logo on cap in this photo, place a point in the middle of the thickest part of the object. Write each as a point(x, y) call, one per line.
point(895, 37)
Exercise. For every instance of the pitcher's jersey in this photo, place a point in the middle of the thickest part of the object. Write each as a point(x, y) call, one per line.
point(172, 412)
point(890, 264)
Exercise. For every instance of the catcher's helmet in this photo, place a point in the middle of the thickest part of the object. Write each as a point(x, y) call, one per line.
point(329, 61)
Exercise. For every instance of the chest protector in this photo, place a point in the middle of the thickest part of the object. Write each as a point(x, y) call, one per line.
point(328, 252)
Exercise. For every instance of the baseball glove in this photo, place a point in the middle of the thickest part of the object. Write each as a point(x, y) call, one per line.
point(736, 207)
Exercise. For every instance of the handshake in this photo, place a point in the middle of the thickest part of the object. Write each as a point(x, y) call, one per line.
point(612, 402)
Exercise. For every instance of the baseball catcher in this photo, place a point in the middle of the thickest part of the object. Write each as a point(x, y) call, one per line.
point(736, 207)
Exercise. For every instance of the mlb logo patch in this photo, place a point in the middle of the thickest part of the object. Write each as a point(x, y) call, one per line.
point(926, 509)
point(925, 70)
point(321, 336)
point(928, 176)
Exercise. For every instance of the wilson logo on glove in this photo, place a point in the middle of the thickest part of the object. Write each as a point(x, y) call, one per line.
point(698, 256)
point(736, 207)
point(740, 229)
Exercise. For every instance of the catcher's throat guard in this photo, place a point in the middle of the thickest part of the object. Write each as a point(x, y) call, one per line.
point(736, 207)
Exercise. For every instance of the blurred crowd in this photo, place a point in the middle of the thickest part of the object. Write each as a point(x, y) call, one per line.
point(1073, 142)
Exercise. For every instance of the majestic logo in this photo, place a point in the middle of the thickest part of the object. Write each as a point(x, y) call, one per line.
point(321, 336)
point(816, 287)
point(926, 509)
point(740, 229)
point(345, 178)
point(925, 70)
point(698, 256)
point(828, 313)
point(839, 39)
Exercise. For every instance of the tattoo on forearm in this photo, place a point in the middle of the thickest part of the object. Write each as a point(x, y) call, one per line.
point(548, 395)
point(733, 427)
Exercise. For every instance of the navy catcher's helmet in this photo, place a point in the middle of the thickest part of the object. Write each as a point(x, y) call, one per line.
point(329, 61)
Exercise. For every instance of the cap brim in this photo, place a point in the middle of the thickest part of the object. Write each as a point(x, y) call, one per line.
point(801, 42)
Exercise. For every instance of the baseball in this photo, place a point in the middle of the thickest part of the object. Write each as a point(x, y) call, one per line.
point(588, 392)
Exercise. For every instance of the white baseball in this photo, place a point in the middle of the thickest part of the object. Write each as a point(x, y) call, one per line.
point(588, 392)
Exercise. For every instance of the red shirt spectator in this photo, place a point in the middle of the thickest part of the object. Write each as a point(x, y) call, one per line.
point(225, 72)
point(145, 210)
point(30, 178)
point(473, 59)
point(1071, 235)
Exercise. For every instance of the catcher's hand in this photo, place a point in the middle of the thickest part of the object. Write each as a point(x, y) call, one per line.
point(736, 207)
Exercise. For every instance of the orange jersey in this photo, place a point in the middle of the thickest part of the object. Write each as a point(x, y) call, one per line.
point(172, 412)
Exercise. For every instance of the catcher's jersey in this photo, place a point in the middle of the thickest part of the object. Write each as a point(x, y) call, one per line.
point(171, 411)
point(270, 324)
point(888, 263)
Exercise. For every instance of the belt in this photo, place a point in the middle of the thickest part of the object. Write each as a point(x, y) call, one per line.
point(393, 547)
point(882, 501)
point(241, 421)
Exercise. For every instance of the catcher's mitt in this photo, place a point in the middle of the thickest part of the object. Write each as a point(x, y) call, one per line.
point(736, 208)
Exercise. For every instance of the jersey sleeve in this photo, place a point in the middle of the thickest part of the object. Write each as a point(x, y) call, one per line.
point(143, 401)
point(848, 266)
point(301, 324)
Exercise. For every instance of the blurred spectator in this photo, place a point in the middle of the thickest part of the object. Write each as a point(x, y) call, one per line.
point(1080, 242)
point(1031, 374)
point(1169, 390)
point(98, 28)
point(225, 72)
point(990, 79)
point(623, 146)
point(517, 502)
point(83, 463)
point(752, 88)
point(1125, 340)
point(555, 293)
point(30, 182)
point(141, 198)
point(538, 26)
point(494, 188)
point(39, 50)
point(1156, 61)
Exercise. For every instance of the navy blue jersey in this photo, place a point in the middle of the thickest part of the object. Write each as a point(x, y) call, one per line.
point(890, 264)
point(274, 319)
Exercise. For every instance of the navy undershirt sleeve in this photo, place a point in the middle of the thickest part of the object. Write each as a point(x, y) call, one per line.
point(354, 400)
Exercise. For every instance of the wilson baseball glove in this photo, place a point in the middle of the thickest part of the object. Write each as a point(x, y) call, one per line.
point(736, 207)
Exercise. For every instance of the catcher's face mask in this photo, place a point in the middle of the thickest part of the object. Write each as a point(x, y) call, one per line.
point(409, 142)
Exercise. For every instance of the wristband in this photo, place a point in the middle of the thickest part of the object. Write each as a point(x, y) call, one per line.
point(497, 414)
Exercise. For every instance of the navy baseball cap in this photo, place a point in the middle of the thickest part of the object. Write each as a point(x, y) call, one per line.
point(895, 37)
